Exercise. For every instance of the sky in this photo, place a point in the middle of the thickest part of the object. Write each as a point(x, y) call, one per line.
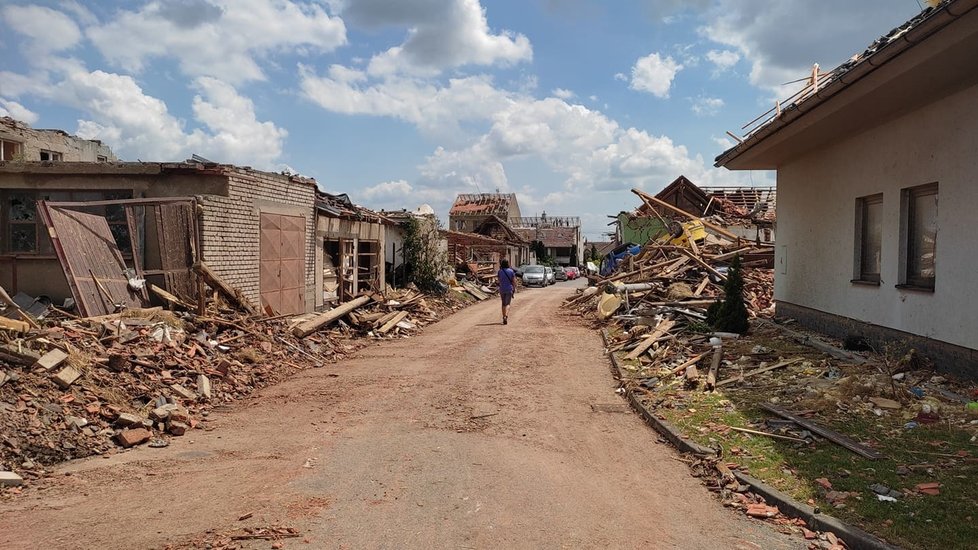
point(567, 103)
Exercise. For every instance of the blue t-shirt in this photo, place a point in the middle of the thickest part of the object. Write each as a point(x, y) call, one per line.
point(506, 279)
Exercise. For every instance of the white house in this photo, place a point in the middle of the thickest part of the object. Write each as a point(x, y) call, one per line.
point(877, 184)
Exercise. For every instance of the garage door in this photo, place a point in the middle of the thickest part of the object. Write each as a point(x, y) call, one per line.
point(283, 244)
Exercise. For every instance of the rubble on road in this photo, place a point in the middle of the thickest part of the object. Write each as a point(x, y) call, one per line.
point(75, 387)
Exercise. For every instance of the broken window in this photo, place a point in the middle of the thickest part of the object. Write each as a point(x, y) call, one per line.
point(869, 238)
point(50, 155)
point(9, 150)
point(919, 226)
point(25, 233)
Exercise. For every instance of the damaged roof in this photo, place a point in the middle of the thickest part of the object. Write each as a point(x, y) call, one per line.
point(551, 237)
point(498, 204)
point(494, 225)
point(880, 52)
point(340, 206)
point(138, 168)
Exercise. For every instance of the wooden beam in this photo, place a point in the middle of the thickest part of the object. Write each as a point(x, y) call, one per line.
point(660, 329)
point(831, 435)
point(217, 283)
point(397, 318)
point(775, 366)
point(306, 328)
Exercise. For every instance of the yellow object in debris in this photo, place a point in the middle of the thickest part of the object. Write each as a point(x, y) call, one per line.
point(608, 304)
point(679, 233)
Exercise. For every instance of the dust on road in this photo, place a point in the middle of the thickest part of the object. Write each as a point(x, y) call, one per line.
point(472, 435)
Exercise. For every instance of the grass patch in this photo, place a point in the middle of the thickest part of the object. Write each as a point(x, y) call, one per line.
point(941, 452)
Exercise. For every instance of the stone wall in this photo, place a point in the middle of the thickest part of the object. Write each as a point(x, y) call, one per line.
point(32, 142)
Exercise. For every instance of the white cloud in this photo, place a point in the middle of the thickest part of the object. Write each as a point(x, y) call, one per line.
point(223, 39)
point(17, 111)
point(47, 30)
point(706, 106)
point(436, 110)
point(562, 93)
point(387, 189)
point(621, 76)
point(767, 34)
point(442, 34)
point(654, 74)
point(236, 135)
point(723, 60)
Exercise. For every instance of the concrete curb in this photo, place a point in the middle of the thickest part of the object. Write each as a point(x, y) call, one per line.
point(854, 537)
point(667, 430)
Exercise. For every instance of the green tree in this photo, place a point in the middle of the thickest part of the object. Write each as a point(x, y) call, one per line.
point(594, 253)
point(425, 264)
point(730, 314)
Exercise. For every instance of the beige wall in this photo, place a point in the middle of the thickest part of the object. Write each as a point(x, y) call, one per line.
point(816, 221)
point(230, 228)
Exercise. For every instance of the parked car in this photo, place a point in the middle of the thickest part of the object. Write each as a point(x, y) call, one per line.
point(560, 274)
point(572, 272)
point(534, 275)
point(551, 279)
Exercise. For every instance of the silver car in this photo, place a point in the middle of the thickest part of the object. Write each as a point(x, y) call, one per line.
point(551, 278)
point(535, 275)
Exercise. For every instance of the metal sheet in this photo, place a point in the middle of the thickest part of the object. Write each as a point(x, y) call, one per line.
point(89, 256)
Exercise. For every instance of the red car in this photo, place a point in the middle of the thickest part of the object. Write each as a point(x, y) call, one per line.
point(572, 273)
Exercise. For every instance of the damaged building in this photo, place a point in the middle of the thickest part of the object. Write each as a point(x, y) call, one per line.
point(68, 230)
point(20, 142)
point(351, 241)
point(560, 237)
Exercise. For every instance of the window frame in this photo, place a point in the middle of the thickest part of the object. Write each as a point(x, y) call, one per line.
point(73, 195)
point(53, 156)
point(908, 196)
point(859, 275)
point(18, 148)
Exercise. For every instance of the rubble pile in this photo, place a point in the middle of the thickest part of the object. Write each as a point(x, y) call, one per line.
point(75, 387)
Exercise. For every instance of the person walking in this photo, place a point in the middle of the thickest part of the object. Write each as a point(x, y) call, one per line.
point(507, 287)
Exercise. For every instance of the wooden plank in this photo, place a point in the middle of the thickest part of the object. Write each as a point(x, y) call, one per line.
point(705, 265)
point(218, 284)
point(702, 286)
point(768, 434)
point(306, 328)
point(692, 361)
point(711, 378)
point(660, 329)
point(397, 318)
point(23, 314)
point(831, 435)
point(778, 365)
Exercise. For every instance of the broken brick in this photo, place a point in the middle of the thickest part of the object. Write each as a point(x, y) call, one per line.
point(10, 479)
point(135, 436)
point(177, 428)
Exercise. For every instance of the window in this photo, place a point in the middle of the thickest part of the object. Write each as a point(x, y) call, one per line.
point(9, 149)
point(50, 155)
point(101, 158)
point(25, 233)
point(459, 225)
point(919, 231)
point(869, 238)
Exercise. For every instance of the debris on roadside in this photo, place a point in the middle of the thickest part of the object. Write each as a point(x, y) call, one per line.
point(74, 387)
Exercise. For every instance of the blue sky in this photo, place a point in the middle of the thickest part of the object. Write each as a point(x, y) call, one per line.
point(568, 103)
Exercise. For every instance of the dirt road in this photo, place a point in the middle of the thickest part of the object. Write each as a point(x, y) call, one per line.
point(472, 435)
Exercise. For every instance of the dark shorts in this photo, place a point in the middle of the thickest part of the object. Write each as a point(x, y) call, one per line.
point(507, 297)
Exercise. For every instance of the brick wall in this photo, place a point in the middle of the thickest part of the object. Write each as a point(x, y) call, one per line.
point(230, 227)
